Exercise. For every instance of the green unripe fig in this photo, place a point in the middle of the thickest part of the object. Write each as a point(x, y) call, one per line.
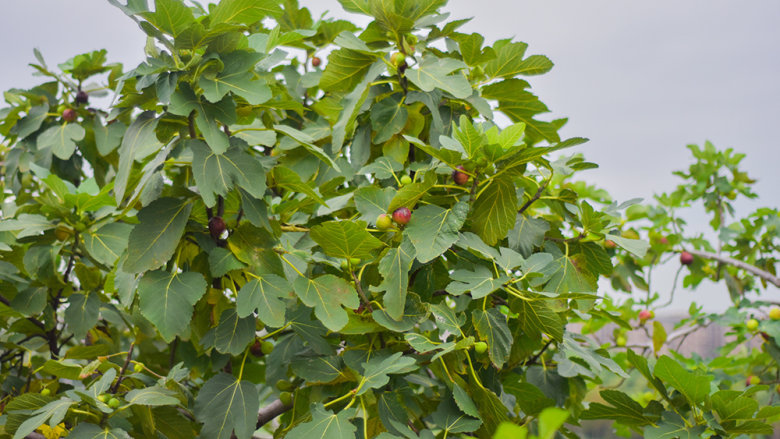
point(753, 381)
point(344, 264)
point(621, 341)
point(284, 385)
point(751, 325)
point(286, 398)
point(630, 234)
point(45, 392)
point(406, 180)
point(774, 313)
point(62, 232)
point(384, 222)
point(257, 348)
point(102, 398)
point(138, 367)
point(61, 108)
point(480, 347)
point(266, 347)
point(397, 59)
point(113, 403)
point(354, 261)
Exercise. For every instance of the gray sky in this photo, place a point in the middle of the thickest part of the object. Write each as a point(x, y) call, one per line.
point(640, 79)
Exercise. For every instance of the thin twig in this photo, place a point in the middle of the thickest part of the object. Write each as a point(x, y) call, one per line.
point(363, 296)
point(121, 376)
point(539, 354)
point(191, 125)
point(674, 287)
point(534, 198)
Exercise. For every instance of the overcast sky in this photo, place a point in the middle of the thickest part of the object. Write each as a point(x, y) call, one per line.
point(640, 79)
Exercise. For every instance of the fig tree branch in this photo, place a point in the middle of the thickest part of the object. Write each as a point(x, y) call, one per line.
point(271, 411)
point(534, 198)
point(119, 379)
point(268, 413)
point(769, 277)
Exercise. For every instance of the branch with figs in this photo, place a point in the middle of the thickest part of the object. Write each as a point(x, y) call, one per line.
point(767, 276)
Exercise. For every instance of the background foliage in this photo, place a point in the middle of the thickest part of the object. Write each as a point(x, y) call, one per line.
point(203, 255)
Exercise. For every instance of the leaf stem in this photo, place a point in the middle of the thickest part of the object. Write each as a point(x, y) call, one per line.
point(291, 265)
point(243, 363)
point(271, 334)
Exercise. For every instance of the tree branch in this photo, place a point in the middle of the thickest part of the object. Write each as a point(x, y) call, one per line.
point(769, 277)
point(268, 413)
point(362, 294)
point(121, 376)
point(271, 411)
point(534, 198)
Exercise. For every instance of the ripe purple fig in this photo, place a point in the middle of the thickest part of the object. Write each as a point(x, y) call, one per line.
point(459, 177)
point(217, 226)
point(686, 258)
point(402, 215)
point(69, 115)
point(82, 97)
